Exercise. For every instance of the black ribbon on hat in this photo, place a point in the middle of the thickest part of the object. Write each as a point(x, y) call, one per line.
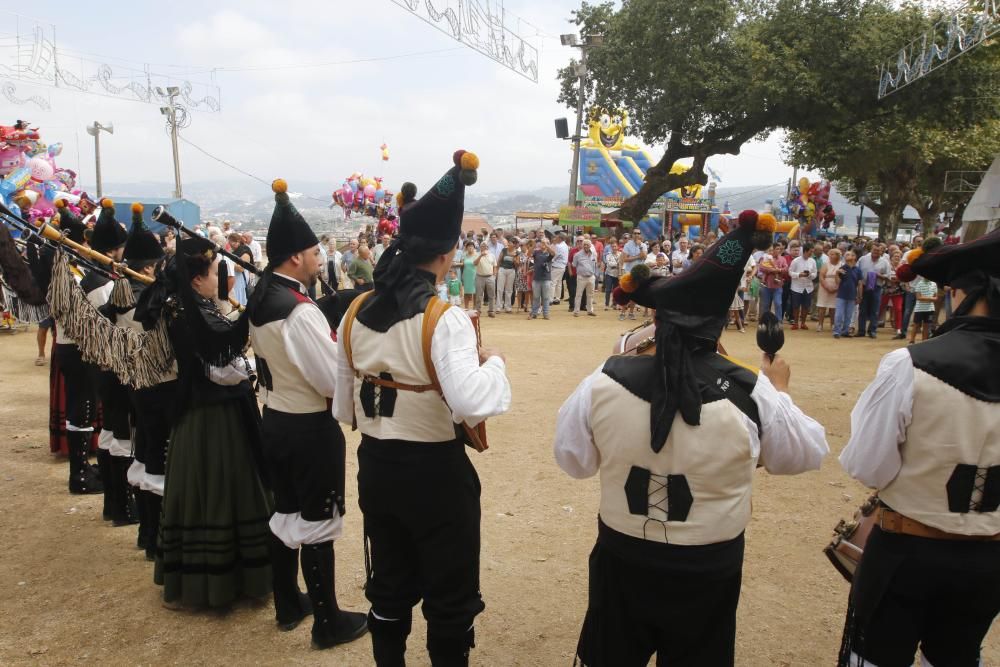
point(678, 388)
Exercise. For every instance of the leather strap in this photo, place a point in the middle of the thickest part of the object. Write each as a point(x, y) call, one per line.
point(392, 384)
point(349, 316)
point(894, 522)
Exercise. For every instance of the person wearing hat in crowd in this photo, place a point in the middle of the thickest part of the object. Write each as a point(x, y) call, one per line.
point(81, 396)
point(407, 388)
point(214, 532)
point(926, 434)
point(114, 455)
point(304, 449)
point(153, 406)
point(676, 437)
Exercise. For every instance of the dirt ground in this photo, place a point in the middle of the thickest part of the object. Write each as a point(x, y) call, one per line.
point(74, 590)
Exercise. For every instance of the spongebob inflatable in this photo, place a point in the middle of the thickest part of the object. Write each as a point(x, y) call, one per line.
point(612, 169)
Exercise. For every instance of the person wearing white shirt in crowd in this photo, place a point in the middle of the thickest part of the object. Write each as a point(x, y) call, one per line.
point(345, 262)
point(303, 446)
point(665, 573)
point(926, 435)
point(802, 271)
point(255, 249)
point(559, 262)
point(871, 298)
point(633, 253)
point(680, 254)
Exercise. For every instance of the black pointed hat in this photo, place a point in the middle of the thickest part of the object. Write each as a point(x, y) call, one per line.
point(698, 299)
point(691, 311)
point(437, 216)
point(70, 223)
point(141, 245)
point(973, 267)
point(108, 232)
point(288, 232)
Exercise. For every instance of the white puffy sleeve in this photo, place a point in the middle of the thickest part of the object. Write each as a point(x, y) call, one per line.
point(791, 442)
point(574, 446)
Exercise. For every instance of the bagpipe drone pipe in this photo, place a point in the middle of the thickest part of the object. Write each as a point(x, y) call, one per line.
point(139, 359)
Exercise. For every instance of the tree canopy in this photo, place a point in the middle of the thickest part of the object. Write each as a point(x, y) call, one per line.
point(704, 77)
point(901, 146)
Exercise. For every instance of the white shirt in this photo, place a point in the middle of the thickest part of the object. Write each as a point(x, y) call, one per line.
point(879, 421)
point(799, 264)
point(748, 271)
point(255, 250)
point(792, 442)
point(561, 258)
point(310, 346)
point(473, 392)
point(678, 257)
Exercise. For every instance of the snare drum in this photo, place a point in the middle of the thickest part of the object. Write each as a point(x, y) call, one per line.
point(849, 539)
point(639, 340)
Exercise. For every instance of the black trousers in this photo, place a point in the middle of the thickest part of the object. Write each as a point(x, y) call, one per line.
point(910, 591)
point(81, 395)
point(304, 460)
point(421, 515)
point(688, 619)
point(115, 406)
point(154, 411)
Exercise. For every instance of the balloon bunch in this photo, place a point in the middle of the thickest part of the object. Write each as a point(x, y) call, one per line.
point(810, 204)
point(31, 180)
point(364, 195)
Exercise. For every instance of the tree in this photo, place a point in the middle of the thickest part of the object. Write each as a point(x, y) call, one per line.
point(906, 142)
point(706, 76)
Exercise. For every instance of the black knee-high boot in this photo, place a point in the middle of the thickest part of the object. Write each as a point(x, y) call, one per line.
point(290, 604)
point(450, 650)
point(123, 509)
point(331, 625)
point(83, 478)
point(104, 469)
point(154, 505)
point(389, 639)
point(142, 534)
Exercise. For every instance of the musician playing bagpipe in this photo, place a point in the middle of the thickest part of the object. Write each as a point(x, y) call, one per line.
point(410, 371)
point(303, 446)
point(926, 434)
point(115, 443)
point(81, 392)
point(676, 437)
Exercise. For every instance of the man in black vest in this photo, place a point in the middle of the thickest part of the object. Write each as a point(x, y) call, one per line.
point(926, 435)
point(416, 486)
point(303, 444)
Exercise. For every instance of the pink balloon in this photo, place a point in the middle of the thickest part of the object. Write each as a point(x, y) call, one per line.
point(370, 190)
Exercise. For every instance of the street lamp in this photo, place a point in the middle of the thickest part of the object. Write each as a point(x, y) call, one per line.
point(581, 71)
point(95, 131)
point(171, 112)
point(862, 197)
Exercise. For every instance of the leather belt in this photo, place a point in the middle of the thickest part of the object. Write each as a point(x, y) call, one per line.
point(894, 522)
point(392, 384)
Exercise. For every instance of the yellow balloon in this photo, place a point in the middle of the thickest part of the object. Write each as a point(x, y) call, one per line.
point(803, 185)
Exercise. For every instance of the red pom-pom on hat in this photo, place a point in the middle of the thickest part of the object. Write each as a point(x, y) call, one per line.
point(748, 219)
point(457, 157)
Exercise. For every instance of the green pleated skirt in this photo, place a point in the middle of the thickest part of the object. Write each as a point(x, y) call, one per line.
point(212, 547)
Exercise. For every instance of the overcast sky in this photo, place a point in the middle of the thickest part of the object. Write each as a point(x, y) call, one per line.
point(322, 123)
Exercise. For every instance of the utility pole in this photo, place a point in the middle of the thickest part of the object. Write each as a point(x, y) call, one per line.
point(171, 112)
point(581, 71)
point(95, 131)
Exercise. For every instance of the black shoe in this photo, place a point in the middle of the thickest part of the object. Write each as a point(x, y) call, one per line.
point(331, 625)
point(389, 639)
point(899, 336)
point(348, 626)
point(290, 622)
point(872, 336)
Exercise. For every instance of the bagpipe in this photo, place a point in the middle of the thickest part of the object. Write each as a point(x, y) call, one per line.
point(642, 338)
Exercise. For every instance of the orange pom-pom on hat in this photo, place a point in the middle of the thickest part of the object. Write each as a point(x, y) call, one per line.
point(107, 202)
point(766, 222)
point(137, 207)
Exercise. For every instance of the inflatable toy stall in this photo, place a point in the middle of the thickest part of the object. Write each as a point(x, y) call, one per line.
point(612, 170)
point(364, 195)
point(32, 181)
point(807, 210)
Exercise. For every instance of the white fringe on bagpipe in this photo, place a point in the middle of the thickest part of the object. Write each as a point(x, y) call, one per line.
point(21, 311)
point(138, 359)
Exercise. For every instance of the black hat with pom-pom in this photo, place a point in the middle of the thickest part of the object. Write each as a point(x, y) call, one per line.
point(437, 216)
point(108, 232)
point(70, 223)
point(141, 245)
point(288, 232)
